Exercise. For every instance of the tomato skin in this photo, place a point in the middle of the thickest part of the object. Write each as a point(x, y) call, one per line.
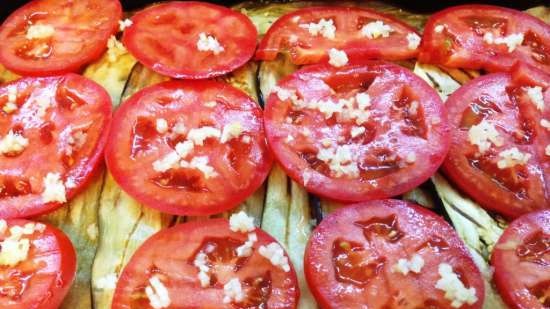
point(387, 78)
point(493, 192)
point(356, 48)
point(88, 159)
point(239, 44)
point(215, 194)
point(183, 241)
point(416, 227)
point(513, 276)
point(477, 54)
point(56, 244)
point(111, 11)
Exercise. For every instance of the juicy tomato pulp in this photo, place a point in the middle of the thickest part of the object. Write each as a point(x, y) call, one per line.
point(215, 41)
point(51, 128)
point(499, 143)
point(475, 36)
point(47, 37)
point(37, 265)
point(351, 258)
point(308, 34)
point(171, 257)
point(199, 147)
point(364, 131)
point(521, 259)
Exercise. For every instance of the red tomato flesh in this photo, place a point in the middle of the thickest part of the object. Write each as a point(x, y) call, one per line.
point(292, 34)
point(65, 121)
point(501, 100)
point(521, 259)
point(474, 36)
point(238, 166)
point(389, 146)
point(42, 278)
point(48, 37)
point(171, 253)
point(351, 256)
point(165, 38)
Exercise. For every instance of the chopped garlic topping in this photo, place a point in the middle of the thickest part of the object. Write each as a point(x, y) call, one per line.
point(404, 266)
point(413, 40)
point(115, 49)
point(241, 222)
point(183, 149)
point(233, 291)
point(54, 189)
point(9, 107)
point(200, 163)
point(198, 136)
point(324, 27)
point(39, 31)
point(512, 41)
point(201, 262)
point(483, 134)
point(170, 161)
point(439, 28)
point(512, 157)
point(161, 125)
point(356, 131)
point(340, 160)
point(547, 150)
point(14, 251)
point(245, 249)
point(13, 143)
point(179, 128)
point(376, 29)
point(536, 96)
point(337, 58)
point(410, 158)
point(157, 293)
point(545, 124)
point(289, 138)
point(276, 255)
point(123, 24)
point(210, 104)
point(363, 100)
point(11, 104)
point(231, 131)
point(108, 282)
point(209, 43)
point(454, 289)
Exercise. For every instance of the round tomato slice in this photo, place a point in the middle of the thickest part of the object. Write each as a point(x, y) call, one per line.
point(364, 131)
point(200, 265)
point(37, 265)
point(500, 153)
point(52, 134)
point(198, 147)
point(485, 37)
point(307, 35)
point(215, 41)
point(47, 37)
point(521, 259)
point(381, 254)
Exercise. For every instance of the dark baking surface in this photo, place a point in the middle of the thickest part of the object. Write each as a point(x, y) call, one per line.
point(419, 6)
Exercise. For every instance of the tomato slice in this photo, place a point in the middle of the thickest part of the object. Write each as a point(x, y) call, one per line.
point(215, 41)
point(521, 259)
point(37, 265)
point(263, 284)
point(364, 131)
point(500, 152)
point(199, 147)
point(48, 37)
point(352, 259)
point(307, 35)
point(485, 37)
point(52, 134)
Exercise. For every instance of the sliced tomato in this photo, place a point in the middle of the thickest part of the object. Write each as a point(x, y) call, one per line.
point(474, 36)
point(48, 37)
point(364, 131)
point(215, 41)
point(521, 259)
point(37, 265)
point(263, 284)
point(212, 175)
point(492, 177)
point(351, 259)
point(55, 126)
point(357, 31)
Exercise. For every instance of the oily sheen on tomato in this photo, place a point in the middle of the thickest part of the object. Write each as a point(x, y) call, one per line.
point(191, 40)
point(47, 37)
point(307, 35)
point(521, 259)
point(170, 263)
point(193, 147)
point(52, 134)
point(500, 153)
point(364, 131)
point(485, 37)
point(37, 265)
point(390, 254)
